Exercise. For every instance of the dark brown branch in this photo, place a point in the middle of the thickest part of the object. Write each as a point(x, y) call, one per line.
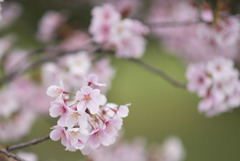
point(158, 72)
point(27, 144)
point(10, 155)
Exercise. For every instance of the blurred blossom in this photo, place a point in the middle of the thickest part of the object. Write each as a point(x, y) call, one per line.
point(121, 151)
point(70, 69)
point(6, 43)
point(27, 156)
point(21, 101)
point(15, 60)
point(87, 121)
point(171, 150)
point(104, 72)
point(78, 64)
point(76, 41)
point(125, 7)
point(17, 126)
point(49, 24)
point(125, 36)
point(217, 82)
point(11, 11)
point(196, 42)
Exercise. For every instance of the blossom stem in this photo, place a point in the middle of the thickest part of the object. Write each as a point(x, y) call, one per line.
point(27, 144)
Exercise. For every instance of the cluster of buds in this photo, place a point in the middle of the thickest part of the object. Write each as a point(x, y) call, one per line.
point(217, 81)
point(125, 36)
point(86, 120)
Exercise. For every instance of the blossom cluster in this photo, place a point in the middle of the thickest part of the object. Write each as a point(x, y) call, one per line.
point(209, 37)
point(73, 67)
point(125, 7)
point(171, 150)
point(86, 120)
point(21, 101)
point(217, 82)
point(125, 36)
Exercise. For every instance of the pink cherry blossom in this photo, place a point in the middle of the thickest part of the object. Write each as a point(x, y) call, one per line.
point(59, 133)
point(78, 64)
point(89, 99)
point(87, 121)
point(77, 139)
point(217, 82)
point(123, 110)
point(92, 79)
point(196, 42)
point(76, 118)
point(123, 35)
point(98, 137)
point(58, 108)
point(27, 156)
point(48, 25)
point(198, 79)
point(55, 91)
point(10, 12)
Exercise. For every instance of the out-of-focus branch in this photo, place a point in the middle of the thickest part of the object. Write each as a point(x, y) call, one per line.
point(153, 25)
point(10, 155)
point(27, 144)
point(35, 64)
point(151, 69)
point(158, 72)
point(53, 57)
point(6, 152)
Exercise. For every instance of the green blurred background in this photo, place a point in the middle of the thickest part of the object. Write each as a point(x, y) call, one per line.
point(158, 109)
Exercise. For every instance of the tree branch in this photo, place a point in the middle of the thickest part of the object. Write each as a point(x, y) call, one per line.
point(158, 72)
point(174, 23)
point(27, 144)
point(48, 58)
point(53, 57)
point(10, 155)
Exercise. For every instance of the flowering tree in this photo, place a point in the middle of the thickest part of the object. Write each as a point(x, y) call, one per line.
point(75, 73)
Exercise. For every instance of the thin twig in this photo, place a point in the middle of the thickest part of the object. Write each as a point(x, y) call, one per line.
point(174, 23)
point(27, 144)
point(158, 72)
point(10, 155)
point(53, 57)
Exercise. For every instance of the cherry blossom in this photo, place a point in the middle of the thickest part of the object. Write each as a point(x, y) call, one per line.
point(71, 68)
point(87, 122)
point(199, 41)
point(78, 64)
point(55, 91)
point(217, 82)
point(27, 156)
point(171, 150)
point(48, 25)
point(89, 98)
point(11, 11)
point(123, 35)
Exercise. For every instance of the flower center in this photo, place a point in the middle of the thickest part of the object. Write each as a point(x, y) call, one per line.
point(87, 98)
